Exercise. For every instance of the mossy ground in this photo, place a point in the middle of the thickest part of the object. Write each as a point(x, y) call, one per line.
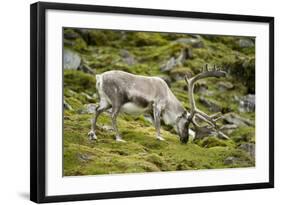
point(142, 152)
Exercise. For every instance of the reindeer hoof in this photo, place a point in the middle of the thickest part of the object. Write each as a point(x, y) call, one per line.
point(160, 138)
point(92, 135)
point(119, 139)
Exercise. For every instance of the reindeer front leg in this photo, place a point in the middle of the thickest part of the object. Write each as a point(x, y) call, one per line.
point(103, 105)
point(157, 123)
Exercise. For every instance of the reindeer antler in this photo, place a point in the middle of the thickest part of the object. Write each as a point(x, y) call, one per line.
point(195, 112)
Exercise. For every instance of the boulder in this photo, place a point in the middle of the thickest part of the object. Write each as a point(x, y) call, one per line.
point(224, 86)
point(86, 69)
point(194, 42)
point(70, 34)
point(185, 54)
point(228, 128)
point(71, 60)
point(203, 88)
point(231, 160)
point(237, 120)
point(200, 87)
point(148, 118)
point(213, 107)
point(107, 128)
point(246, 43)
point(250, 148)
point(67, 106)
point(247, 103)
point(84, 157)
point(171, 63)
point(203, 132)
point(243, 70)
point(85, 34)
point(128, 58)
point(88, 109)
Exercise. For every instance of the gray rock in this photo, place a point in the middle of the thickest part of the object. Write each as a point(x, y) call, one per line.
point(171, 63)
point(84, 157)
point(71, 35)
point(246, 43)
point(247, 103)
point(213, 107)
point(128, 58)
point(85, 34)
point(177, 76)
point(86, 69)
point(235, 119)
point(228, 128)
point(231, 160)
point(88, 109)
point(250, 148)
point(71, 60)
point(194, 42)
point(148, 118)
point(185, 54)
point(224, 86)
point(202, 132)
point(200, 87)
point(107, 128)
point(67, 106)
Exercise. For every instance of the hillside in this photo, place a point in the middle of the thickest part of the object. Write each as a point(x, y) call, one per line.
point(169, 56)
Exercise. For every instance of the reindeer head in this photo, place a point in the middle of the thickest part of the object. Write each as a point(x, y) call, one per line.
point(195, 113)
point(182, 127)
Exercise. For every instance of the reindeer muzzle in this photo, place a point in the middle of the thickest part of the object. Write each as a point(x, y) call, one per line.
point(184, 140)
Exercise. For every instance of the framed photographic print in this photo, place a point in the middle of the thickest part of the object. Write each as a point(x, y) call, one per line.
point(129, 102)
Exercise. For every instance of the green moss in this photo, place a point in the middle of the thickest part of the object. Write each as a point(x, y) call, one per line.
point(243, 134)
point(181, 72)
point(103, 38)
point(157, 160)
point(142, 152)
point(214, 142)
point(74, 103)
point(79, 81)
point(145, 39)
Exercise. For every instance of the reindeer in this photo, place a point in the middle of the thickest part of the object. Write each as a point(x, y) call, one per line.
point(135, 94)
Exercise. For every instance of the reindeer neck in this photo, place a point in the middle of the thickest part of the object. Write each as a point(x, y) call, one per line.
point(173, 111)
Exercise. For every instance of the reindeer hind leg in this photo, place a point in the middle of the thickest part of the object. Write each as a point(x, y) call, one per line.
point(114, 114)
point(103, 106)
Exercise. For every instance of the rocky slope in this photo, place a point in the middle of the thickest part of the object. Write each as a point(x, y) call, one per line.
point(169, 56)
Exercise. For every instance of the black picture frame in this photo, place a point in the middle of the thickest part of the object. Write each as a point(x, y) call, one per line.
point(38, 100)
